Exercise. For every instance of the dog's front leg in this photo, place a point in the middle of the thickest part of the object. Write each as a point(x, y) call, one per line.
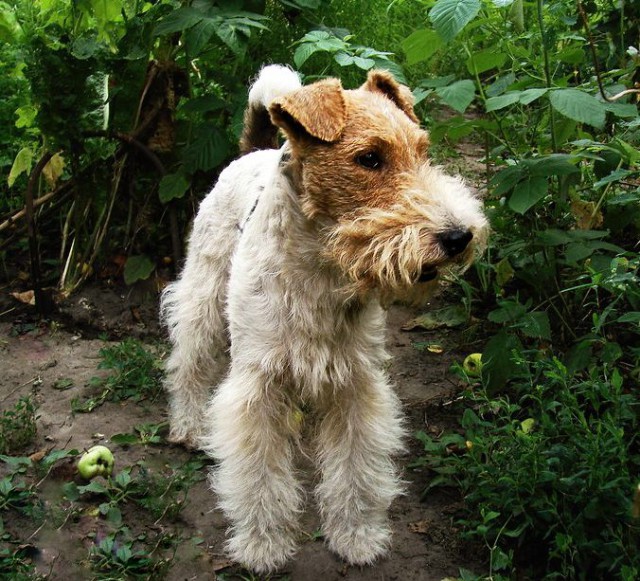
point(357, 437)
point(253, 440)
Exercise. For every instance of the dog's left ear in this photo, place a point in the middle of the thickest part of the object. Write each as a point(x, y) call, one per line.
point(317, 110)
point(381, 81)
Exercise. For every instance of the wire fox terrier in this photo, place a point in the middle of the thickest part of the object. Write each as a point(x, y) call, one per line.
point(280, 307)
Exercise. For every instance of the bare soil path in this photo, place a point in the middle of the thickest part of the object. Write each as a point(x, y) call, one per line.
point(54, 365)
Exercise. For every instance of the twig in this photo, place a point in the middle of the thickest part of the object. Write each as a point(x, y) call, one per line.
point(624, 93)
point(32, 380)
point(36, 204)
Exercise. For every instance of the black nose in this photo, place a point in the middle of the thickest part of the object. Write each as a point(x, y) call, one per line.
point(455, 241)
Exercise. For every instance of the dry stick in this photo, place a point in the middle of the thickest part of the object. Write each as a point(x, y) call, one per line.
point(36, 204)
point(42, 305)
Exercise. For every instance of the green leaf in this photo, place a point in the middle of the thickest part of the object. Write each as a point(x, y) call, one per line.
point(206, 152)
point(554, 237)
point(495, 103)
point(578, 357)
point(530, 95)
point(344, 59)
point(574, 55)
point(500, 85)
point(303, 52)
point(94, 487)
point(114, 516)
point(507, 312)
point(485, 60)
point(10, 30)
point(364, 63)
point(125, 439)
point(615, 176)
point(535, 325)
point(625, 110)
point(577, 251)
point(172, 186)
point(579, 106)
point(421, 45)
point(198, 36)
point(138, 268)
point(449, 17)
point(631, 317)
point(504, 272)
point(123, 554)
point(527, 193)
point(70, 491)
point(556, 164)
point(499, 365)
point(21, 164)
point(458, 95)
point(178, 20)
point(505, 180)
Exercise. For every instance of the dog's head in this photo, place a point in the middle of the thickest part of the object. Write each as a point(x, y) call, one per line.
point(392, 221)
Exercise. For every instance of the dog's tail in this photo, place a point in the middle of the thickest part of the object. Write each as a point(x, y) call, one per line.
point(258, 131)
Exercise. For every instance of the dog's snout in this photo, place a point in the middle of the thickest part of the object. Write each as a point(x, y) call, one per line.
point(455, 241)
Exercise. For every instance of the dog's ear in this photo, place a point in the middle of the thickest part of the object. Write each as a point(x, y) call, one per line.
point(381, 81)
point(318, 110)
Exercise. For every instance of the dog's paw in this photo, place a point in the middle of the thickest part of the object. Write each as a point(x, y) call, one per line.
point(189, 439)
point(262, 553)
point(361, 545)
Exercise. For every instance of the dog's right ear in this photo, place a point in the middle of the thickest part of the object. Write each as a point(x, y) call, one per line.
point(317, 110)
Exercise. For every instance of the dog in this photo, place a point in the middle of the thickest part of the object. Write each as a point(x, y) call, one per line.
point(277, 320)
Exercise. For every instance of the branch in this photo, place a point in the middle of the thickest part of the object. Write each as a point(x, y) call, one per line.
point(152, 157)
point(10, 221)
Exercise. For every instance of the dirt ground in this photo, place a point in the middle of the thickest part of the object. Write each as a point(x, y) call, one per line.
point(37, 360)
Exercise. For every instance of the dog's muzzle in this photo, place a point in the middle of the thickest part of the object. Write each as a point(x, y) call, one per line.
point(455, 242)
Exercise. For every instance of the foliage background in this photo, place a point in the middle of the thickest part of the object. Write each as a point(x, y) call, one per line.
point(117, 116)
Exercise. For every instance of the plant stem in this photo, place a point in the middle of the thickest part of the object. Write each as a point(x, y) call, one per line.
point(547, 71)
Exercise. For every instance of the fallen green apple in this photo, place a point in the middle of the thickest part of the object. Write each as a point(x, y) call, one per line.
point(473, 364)
point(96, 461)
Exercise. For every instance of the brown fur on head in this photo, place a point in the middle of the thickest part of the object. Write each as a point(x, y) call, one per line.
point(360, 166)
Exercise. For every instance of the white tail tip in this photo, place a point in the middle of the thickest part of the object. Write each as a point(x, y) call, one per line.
point(273, 82)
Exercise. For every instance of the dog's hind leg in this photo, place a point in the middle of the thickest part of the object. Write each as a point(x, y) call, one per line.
point(193, 309)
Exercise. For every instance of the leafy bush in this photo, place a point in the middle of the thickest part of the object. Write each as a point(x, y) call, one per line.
point(549, 473)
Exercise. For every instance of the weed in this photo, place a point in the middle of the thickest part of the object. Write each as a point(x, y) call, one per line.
point(135, 373)
point(16, 494)
point(18, 426)
point(163, 495)
point(119, 556)
point(145, 434)
point(15, 559)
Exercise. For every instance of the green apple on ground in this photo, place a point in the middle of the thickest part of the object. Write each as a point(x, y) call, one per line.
point(473, 364)
point(96, 461)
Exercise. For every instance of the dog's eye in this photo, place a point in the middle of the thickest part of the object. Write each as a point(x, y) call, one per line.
point(370, 160)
